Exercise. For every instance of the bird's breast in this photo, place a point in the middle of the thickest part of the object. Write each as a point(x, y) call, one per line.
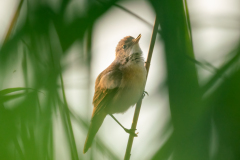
point(134, 75)
point(131, 88)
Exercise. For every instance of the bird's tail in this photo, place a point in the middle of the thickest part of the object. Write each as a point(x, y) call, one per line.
point(96, 123)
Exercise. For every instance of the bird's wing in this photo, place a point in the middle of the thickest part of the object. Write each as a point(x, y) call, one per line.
point(106, 87)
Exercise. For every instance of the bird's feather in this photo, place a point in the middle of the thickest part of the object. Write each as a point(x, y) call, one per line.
point(95, 124)
point(106, 87)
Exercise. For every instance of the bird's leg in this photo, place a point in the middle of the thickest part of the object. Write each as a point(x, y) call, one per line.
point(144, 94)
point(130, 131)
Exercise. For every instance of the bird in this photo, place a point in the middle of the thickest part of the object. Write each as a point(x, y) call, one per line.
point(119, 86)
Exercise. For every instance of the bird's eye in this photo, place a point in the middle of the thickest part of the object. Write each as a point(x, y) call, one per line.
point(124, 46)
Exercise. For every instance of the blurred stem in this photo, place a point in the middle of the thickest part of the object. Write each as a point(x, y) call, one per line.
point(89, 57)
point(138, 106)
point(64, 110)
point(64, 6)
point(50, 140)
point(221, 71)
point(190, 121)
point(188, 22)
point(18, 147)
point(24, 67)
point(68, 122)
point(133, 14)
point(205, 65)
point(99, 143)
point(15, 17)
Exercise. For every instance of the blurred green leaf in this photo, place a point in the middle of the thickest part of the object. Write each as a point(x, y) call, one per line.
point(201, 117)
point(11, 90)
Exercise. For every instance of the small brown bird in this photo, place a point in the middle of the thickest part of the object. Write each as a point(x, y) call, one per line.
point(119, 86)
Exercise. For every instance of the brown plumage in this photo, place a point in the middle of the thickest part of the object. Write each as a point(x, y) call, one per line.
point(119, 86)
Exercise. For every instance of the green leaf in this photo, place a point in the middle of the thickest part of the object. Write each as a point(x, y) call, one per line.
point(11, 90)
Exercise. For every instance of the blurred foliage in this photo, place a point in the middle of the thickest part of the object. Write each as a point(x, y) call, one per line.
point(195, 112)
point(26, 125)
point(199, 114)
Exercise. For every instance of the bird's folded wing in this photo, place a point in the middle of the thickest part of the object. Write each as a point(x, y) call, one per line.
point(102, 99)
point(106, 87)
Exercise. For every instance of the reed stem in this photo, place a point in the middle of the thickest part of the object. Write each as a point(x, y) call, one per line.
point(138, 106)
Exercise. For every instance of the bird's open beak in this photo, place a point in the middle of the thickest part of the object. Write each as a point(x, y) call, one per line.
point(136, 40)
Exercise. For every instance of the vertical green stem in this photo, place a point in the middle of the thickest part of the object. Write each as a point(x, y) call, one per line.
point(190, 121)
point(138, 106)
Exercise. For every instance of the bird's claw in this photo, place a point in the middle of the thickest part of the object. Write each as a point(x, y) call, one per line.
point(144, 94)
point(131, 132)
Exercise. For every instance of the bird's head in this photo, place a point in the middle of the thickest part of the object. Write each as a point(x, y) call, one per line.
point(127, 47)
